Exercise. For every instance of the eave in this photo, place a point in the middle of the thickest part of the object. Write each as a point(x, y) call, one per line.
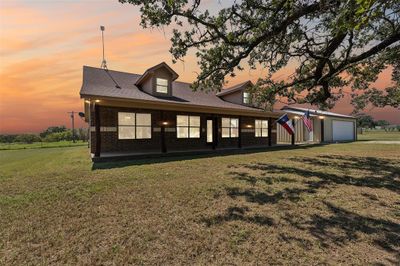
point(157, 105)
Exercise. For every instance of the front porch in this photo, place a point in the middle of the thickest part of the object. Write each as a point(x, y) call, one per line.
point(111, 156)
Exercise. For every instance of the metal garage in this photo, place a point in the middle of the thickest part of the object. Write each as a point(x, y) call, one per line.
point(327, 127)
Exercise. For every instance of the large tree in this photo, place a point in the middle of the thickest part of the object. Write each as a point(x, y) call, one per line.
point(332, 43)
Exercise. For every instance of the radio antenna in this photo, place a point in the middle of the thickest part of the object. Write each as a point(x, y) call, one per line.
point(103, 63)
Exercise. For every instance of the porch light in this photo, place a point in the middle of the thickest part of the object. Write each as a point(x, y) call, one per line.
point(321, 117)
point(97, 101)
point(249, 126)
point(87, 101)
point(165, 123)
point(296, 117)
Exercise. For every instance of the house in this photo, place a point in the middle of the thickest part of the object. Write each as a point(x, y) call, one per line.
point(327, 127)
point(153, 113)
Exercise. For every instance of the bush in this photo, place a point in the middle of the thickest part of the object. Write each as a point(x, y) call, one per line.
point(58, 136)
point(27, 138)
point(82, 134)
point(7, 138)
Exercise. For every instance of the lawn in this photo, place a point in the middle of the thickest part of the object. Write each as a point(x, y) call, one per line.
point(39, 145)
point(380, 135)
point(332, 204)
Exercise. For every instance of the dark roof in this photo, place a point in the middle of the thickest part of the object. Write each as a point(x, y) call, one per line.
point(98, 82)
point(235, 88)
point(149, 72)
point(313, 111)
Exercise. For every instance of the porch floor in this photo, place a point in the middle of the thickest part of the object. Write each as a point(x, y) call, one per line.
point(109, 156)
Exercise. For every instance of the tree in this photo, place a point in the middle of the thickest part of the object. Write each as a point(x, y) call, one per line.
point(365, 121)
point(83, 134)
point(7, 138)
point(53, 129)
point(382, 123)
point(333, 44)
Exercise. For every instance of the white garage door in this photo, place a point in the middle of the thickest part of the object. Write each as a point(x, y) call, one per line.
point(342, 130)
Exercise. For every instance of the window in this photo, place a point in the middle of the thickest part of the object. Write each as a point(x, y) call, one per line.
point(143, 126)
point(161, 85)
point(187, 126)
point(134, 126)
point(261, 128)
point(246, 97)
point(230, 127)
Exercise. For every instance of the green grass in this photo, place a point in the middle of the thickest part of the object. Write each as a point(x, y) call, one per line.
point(332, 204)
point(38, 145)
point(380, 135)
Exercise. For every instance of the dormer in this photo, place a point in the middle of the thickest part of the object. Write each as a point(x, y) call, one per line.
point(238, 94)
point(157, 80)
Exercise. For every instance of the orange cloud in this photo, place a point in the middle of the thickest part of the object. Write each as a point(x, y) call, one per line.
point(43, 46)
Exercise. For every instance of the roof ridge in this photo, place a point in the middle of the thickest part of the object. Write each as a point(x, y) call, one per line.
point(238, 85)
point(316, 111)
point(124, 72)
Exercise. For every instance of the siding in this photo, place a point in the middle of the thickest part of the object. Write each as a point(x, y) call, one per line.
point(301, 132)
point(328, 132)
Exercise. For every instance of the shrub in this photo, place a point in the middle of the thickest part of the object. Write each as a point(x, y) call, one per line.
point(7, 138)
point(58, 136)
point(27, 138)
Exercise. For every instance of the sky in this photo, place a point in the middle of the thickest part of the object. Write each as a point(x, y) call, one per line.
point(44, 45)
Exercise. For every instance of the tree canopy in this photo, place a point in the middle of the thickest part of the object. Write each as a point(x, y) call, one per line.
point(332, 43)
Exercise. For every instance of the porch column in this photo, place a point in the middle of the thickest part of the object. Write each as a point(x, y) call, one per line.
point(294, 133)
point(322, 130)
point(97, 130)
point(240, 133)
point(163, 144)
point(270, 131)
point(215, 132)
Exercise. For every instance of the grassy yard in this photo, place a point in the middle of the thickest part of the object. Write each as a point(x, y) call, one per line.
point(380, 136)
point(38, 145)
point(333, 204)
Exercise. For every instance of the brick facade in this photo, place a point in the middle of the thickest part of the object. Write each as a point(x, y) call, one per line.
point(111, 143)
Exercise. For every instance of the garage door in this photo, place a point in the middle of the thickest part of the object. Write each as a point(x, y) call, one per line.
point(342, 130)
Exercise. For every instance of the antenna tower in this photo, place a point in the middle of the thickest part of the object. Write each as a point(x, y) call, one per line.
point(103, 63)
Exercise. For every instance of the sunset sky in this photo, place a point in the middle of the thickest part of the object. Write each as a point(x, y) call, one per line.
point(44, 44)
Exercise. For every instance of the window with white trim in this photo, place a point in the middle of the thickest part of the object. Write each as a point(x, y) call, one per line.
point(161, 85)
point(230, 127)
point(187, 126)
point(246, 97)
point(261, 128)
point(134, 125)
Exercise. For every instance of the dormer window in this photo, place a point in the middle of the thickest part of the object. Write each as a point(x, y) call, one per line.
point(246, 98)
point(162, 85)
point(157, 80)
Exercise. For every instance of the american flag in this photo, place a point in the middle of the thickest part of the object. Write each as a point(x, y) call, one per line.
point(307, 121)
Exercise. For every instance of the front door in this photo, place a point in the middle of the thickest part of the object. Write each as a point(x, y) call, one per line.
point(210, 131)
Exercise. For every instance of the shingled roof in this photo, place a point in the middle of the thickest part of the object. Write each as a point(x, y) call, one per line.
point(235, 88)
point(103, 83)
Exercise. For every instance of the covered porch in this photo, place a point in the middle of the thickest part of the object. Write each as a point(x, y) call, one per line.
point(302, 135)
point(111, 156)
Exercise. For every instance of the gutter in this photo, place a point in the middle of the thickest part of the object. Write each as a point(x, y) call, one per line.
point(259, 112)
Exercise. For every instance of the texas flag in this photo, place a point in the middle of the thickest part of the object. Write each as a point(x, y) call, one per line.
point(286, 123)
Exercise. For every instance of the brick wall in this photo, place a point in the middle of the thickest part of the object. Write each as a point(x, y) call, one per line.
point(111, 143)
